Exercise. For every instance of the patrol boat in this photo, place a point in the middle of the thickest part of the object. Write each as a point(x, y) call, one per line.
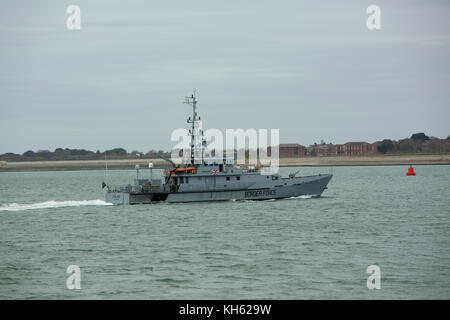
point(211, 180)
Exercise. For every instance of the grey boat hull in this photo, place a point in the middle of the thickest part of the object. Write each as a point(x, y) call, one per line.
point(286, 188)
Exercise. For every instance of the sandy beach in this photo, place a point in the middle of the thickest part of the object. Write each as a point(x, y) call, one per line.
point(284, 162)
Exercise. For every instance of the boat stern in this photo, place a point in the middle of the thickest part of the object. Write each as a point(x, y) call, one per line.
point(117, 198)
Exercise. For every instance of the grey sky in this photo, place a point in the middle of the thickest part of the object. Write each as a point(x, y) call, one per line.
point(309, 68)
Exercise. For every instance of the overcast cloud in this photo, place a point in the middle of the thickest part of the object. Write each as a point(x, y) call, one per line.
point(310, 68)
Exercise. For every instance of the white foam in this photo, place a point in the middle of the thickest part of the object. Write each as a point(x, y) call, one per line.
point(309, 196)
point(52, 204)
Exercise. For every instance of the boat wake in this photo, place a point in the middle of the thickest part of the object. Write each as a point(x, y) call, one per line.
point(52, 204)
point(309, 196)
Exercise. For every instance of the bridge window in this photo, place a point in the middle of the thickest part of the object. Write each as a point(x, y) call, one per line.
point(181, 179)
point(228, 178)
point(238, 178)
point(187, 179)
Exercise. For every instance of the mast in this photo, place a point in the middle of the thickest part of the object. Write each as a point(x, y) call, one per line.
point(192, 101)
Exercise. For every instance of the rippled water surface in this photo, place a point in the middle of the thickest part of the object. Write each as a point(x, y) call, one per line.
point(283, 249)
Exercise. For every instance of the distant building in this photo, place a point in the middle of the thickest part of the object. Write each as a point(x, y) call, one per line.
point(436, 145)
point(322, 150)
point(359, 148)
point(290, 150)
point(339, 149)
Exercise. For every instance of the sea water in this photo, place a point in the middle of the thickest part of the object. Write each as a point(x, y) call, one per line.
point(301, 248)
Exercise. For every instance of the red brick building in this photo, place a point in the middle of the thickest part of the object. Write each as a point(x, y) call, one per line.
point(290, 150)
point(358, 148)
point(322, 150)
point(339, 149)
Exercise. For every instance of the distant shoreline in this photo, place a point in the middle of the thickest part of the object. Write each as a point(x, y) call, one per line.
point(381, 160)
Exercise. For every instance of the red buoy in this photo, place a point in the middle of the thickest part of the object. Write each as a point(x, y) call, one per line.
point(410, 171)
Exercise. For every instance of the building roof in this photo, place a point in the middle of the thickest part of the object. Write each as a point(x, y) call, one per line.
point(359, 142)
point(290, 145)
